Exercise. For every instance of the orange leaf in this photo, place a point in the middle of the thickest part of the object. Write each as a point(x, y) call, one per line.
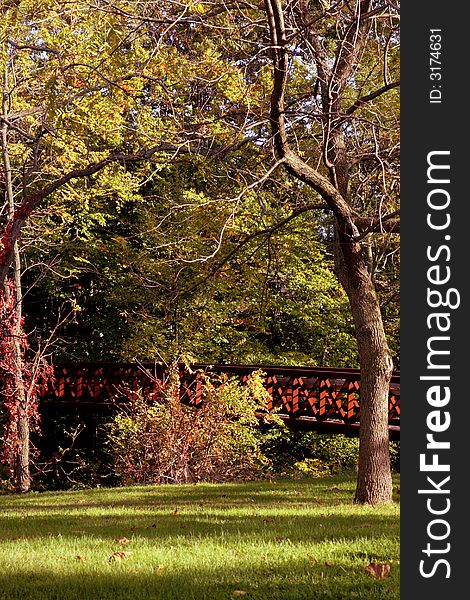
point(378, 570)
point(117, 556)
point(78, 557)
point(123, 541)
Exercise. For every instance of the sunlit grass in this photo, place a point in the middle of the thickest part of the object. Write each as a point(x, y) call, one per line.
point(285, 540)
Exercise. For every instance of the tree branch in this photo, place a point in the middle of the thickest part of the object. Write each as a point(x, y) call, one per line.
point(294, 164)
point(30, 202)
point(378, 224)
point(360, 101)
point(268, 232)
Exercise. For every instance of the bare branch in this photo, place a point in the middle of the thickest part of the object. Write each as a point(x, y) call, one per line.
point(293, 162)
point(383, 224)
point(372, 96)
point(267, 232)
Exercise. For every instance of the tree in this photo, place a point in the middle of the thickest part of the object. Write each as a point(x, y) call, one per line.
point(338, 39)
point(87, 93)
point(68, 75)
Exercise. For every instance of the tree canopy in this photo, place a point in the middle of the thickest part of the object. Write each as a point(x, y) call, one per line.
point(216, 178)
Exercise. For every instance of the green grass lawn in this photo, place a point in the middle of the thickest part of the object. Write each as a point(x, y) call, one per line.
point(284, 540)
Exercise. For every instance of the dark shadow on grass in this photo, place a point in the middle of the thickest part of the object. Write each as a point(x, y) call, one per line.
point(297, 580)
point(167, 527)
point(202, 511)
point(332, 491)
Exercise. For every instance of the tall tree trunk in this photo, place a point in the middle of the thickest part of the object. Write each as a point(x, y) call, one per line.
point(16, 385)
point(374, 480)
point(22, 477)
point(15, 388)
point(374, 483)
point(22, 473)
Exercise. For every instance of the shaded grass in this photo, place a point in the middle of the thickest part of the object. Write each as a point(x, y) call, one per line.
point(285, 540)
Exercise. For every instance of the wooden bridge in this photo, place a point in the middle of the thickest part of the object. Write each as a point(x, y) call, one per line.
point(325, 399)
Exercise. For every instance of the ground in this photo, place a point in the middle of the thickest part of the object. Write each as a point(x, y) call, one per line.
point(284, 540)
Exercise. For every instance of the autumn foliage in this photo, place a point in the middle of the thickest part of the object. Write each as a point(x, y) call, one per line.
point(164, 440)
point(21, 376)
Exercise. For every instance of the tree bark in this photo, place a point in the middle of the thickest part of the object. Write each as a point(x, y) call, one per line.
point(22, 477)
point(22, 470)
point(374, 480)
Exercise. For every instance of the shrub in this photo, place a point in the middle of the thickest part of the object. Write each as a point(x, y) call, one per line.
point(313, 467)
point(339, 451)
point(290, 448)
point(70, 454)
point(162, 439)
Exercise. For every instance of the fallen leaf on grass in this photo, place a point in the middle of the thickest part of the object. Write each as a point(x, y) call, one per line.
point(311, 558)
point(79, 557)
point(239, 593)
point(118, 556)
point(328, 564)
point(378, 570)
point(175, 512)
point(123, 541)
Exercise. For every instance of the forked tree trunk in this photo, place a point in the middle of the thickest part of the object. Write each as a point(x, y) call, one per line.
point(374, 482)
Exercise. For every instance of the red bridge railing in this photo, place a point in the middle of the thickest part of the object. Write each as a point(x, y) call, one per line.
point(305, 397)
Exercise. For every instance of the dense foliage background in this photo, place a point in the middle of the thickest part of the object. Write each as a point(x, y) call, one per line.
point(146, 214)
